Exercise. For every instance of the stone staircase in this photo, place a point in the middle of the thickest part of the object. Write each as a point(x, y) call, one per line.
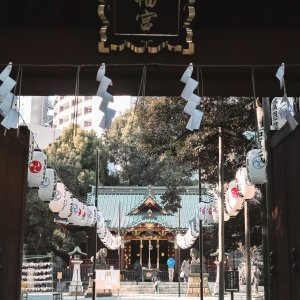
point(170, 288)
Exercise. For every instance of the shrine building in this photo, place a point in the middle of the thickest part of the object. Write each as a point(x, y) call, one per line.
point(147, 229)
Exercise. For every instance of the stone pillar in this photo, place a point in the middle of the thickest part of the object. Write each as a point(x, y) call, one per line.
point(157, 250)
point(75, 287)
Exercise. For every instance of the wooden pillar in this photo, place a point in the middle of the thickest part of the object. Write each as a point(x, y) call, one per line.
point(141, 253)
point(176, 256)
point(122, 253)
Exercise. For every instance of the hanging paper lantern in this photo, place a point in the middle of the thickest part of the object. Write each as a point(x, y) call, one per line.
point(245, 186)
point(77, 219)
point(67, 209)
point(31, 147)
point(37, 168)
point(194, 229)
point(234, 200)
point(57, 204)
point(47, 188)
point(279, 111)
point(100, 220)
point(256, 168)
point(91, 215)
point(208, 218)
point(103, 233)
point(230, 211)
point(84, 215)
point(215, 213)
point(262, 144)
point(201, 210)
point(73, 218)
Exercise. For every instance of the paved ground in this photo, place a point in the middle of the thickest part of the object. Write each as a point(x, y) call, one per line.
point(237, 296)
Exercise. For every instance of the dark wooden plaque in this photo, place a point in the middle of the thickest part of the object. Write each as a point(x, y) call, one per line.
point(146, 25)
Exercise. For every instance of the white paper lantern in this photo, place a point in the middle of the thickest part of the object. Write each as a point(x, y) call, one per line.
point(37, 168)
point(256, 168)
point(91, 215)
point(103, 233)
point(279, 110)
point(84, 215)
point(262, 144)
point(194, 229)
point(230, 211)
point(208, 218)
point(245, 186)
point(77, 220)
point(202, 210)
point(57, 204)
point(31, 147)
point(73, 218)
point(67, 209)
point(100, 220)
point(215, 213)
point(47, 189)
point(234, 200)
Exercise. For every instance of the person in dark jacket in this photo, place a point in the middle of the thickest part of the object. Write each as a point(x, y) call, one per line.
point(137, 271)
point(156, 282)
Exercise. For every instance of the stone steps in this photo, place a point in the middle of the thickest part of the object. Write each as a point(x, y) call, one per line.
point(171, 288)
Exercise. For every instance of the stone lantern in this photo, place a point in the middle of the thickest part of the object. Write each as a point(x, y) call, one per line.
point(76, 287)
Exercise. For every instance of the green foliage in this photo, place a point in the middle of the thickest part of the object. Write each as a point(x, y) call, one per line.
point(152, 146)
point(163, 130)
point(39, 225)
point(74, 159)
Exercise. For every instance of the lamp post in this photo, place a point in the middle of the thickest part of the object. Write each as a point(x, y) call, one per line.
point(221, 215)
point(200, 238)
point(95, 227)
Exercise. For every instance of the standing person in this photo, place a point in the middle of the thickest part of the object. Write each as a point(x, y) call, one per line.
point(255, 279)
point(137, 271)
point(171, 265)
point(156, 282)
point(186, 269)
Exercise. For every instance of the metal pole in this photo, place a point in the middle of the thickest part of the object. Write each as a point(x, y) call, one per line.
point(95, 227)
point(221, 216)
point(178, 263)
point(200, 241)
point(119, 233)
point(247, 250)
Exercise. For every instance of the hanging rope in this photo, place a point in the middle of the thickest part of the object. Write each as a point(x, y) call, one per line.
point(254, 106)
point(75, 115)
point(141, 92)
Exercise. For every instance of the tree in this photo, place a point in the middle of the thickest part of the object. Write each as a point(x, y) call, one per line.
point(155, 129)
point(137, 165)
point(163, 122)
point(74, 159)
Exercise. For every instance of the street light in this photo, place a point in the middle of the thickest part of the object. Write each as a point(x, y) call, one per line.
point(95, 227)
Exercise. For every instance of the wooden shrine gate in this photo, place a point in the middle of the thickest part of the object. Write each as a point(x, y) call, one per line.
point(282, 222)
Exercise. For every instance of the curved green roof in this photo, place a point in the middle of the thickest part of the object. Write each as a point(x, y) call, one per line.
point(116, 203)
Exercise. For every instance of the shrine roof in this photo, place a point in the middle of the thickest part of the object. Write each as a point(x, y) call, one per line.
point(117, 204)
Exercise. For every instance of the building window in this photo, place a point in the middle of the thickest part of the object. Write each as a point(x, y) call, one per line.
point(87, 110)
point(87, 123)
